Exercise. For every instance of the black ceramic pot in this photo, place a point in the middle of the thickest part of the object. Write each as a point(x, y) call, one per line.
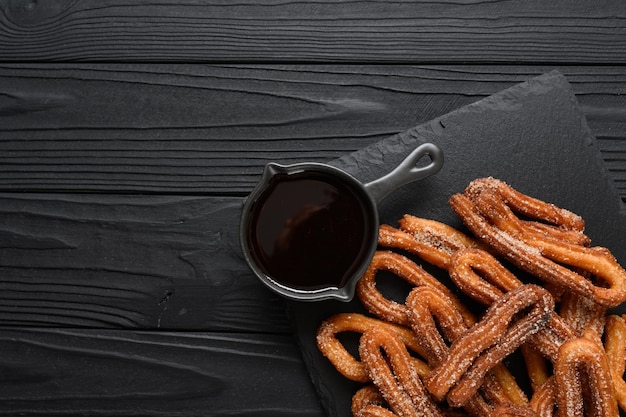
point(309, 230)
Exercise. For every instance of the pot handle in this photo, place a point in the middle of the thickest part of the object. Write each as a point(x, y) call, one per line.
point(407, 171)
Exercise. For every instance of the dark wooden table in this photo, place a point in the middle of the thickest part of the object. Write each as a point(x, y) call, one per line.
point(130, 131)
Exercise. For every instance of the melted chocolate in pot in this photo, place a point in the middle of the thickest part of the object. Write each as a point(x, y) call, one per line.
point(310, 230)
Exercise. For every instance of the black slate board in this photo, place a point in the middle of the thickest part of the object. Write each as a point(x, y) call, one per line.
point(533, 136)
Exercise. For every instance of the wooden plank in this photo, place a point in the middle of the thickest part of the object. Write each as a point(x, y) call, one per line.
point(129, 261)
point(195, 129)
point(113, 373)
point(501, 31)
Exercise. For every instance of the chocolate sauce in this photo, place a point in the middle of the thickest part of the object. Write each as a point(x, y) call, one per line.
point(310, 230)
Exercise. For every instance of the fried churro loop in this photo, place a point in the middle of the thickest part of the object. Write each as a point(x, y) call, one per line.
point(584, 356)
point(410, 272)
point(615, 347)
point(482, 277)
point(495, 336)
point(431, 314)
point(597, 262)
point(394, 375)
point(543, 230)
point(332, 348)
point(391, 237)
point(581, 385)
point(369, 402)
point(439, 235)
point(366, 395)
point(528, 206)
point(436, 322)
point(434, 242)
point(487, 215)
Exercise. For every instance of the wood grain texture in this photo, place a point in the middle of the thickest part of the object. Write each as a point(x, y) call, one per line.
point(129, 262)
point(125, 373)
point(195, 129)
point(501, 31)
point(130, 130)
